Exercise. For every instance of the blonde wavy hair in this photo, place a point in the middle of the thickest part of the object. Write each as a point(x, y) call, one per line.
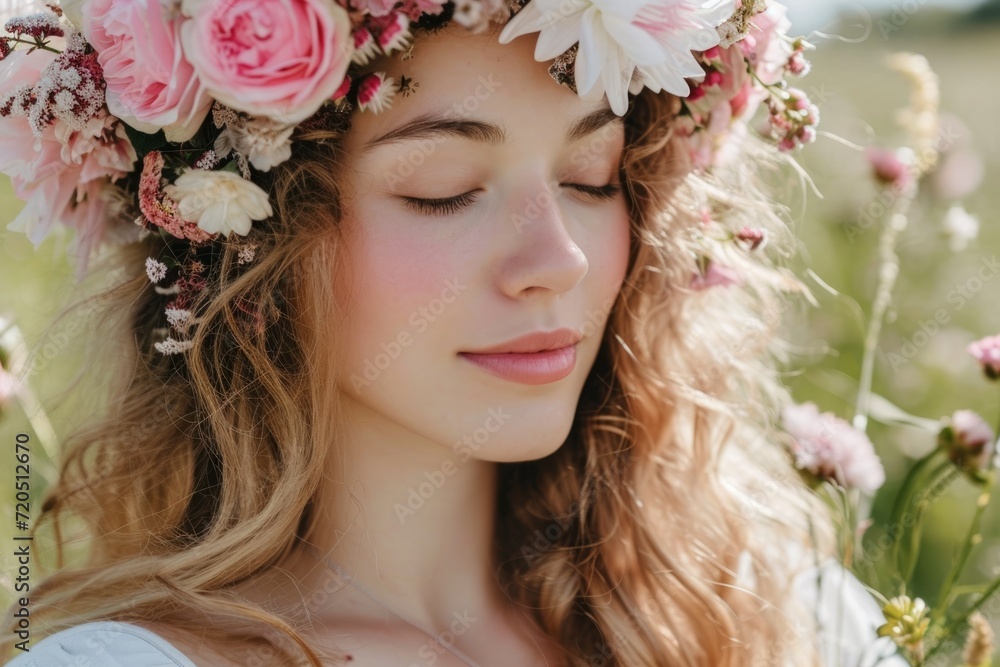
point(660, 533)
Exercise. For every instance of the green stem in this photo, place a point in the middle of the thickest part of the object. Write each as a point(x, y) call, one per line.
point(944, 475)
point(959, 565)
point(38, 45)
point(957, 623)
point(913, 481)
point(888, 271)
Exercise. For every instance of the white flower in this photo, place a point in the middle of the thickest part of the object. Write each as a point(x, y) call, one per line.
point(219, 202)
point(264, 142)
point(155, 270)
point(961, 227)
point(171, 346)
point(178, 318)
point(831, 448)
point(621, 40)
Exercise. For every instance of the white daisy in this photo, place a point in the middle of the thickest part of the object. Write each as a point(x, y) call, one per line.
point(624, 43)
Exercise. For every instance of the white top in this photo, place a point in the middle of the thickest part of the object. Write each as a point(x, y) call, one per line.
point(845, 602)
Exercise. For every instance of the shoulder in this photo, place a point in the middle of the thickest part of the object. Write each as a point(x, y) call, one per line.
point(115, 644)
point(847, 617)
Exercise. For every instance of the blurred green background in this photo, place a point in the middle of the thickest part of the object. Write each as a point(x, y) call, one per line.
point(858, 96)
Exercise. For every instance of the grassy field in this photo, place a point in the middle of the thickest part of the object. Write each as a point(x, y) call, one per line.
point(859, 97)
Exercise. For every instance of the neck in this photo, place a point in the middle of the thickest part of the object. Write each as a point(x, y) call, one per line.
point(412, 522)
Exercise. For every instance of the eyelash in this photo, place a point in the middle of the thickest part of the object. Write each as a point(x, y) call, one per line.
point(452, 205)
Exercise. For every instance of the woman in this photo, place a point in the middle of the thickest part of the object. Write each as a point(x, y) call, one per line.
point(462, 396)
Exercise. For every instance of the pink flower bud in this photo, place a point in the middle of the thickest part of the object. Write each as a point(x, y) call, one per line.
point(713, 274)
point(798, 65)
point(889, 168)
point(753, 237)
point(987, 352)
point(969, 440)
point(714, 53)
point(713, 78)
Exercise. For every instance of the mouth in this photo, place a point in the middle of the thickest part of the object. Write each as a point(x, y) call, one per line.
point(531, 368)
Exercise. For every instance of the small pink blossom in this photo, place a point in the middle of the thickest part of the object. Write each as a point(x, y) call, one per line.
point(151, 86)
point(987, 352)
point(970, 441)
point(832, 449)
point(281, 59)
point(753, 237)
point(375, 92)
point(375, 7)
point(890, 167)
point(714, 275)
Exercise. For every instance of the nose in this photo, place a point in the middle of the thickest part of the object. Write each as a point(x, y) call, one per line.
point(544, 256)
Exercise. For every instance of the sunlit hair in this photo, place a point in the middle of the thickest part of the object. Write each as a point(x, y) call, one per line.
point(662, 532)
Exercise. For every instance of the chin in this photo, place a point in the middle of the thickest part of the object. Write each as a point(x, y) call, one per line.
point(534, 437)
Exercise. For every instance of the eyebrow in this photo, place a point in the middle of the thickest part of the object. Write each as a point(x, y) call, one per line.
point(428, 126)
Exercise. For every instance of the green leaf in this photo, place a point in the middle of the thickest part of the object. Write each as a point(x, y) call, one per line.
point(144, 142)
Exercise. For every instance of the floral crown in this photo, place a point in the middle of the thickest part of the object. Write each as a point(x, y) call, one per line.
point(156, 116)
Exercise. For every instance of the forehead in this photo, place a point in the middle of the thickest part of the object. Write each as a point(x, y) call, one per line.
point(459, 74)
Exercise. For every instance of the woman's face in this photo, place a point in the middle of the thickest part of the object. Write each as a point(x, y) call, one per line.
point(508, 220)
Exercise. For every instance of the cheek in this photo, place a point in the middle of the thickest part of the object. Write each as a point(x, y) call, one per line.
point(397, 273)
point(608, 257)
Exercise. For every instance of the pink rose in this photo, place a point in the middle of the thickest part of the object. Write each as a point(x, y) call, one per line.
point(275, 58)
point(150, 84)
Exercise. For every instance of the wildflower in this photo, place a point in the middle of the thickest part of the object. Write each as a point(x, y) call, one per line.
point(891, 168)
point(961, 227)
point(906, 623)
point(712, 274)
point(264, 142)
point(979, 642)
point(178, 318)
point(375, 92)
point(155, 270)
point(832, 449)
point(754, 237)
point(969, 441)
point(219, 202)
point(987, 353)
point(171, 346)
point(247, 254)
point(654, 38)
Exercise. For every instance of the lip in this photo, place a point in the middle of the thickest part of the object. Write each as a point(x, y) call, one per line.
point(537, 358)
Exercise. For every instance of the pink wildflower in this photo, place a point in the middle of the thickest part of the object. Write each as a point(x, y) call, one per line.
point(832, 449)
point(969, 440)
point(987, 353)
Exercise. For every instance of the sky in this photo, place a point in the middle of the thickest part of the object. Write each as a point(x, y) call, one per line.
point(807, 15)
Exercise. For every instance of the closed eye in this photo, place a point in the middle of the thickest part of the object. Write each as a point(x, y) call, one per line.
point(451, 205)
point(444, 206)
